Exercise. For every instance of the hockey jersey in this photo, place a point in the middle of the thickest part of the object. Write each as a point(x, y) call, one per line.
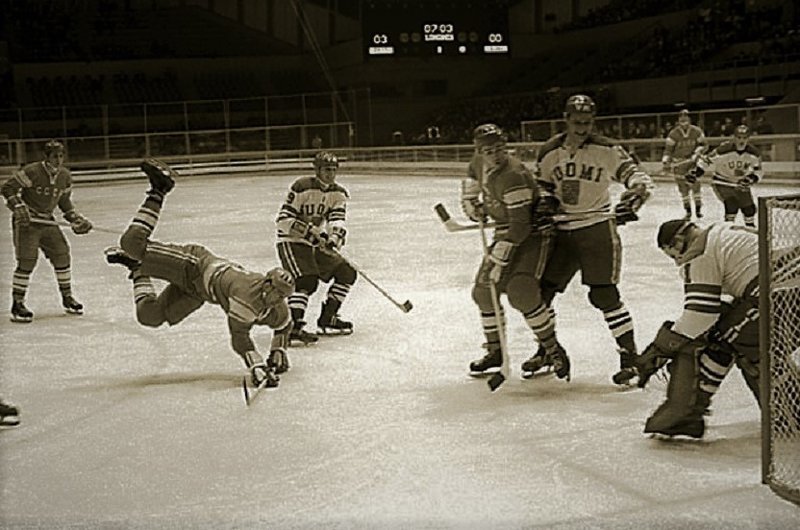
point(41, 187)
point(581, 179)
point(682, 143)
point(729, 165)
point(721, 262)
point(310, 202)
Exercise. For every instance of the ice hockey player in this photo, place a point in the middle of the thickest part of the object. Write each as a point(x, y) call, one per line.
point(32, 194)
point(195, 276)
point(575, 170)
point(311, 230)
point(9, 415)
point(684, 145)
point(499, 187)
point(735, 166)
point(710, 335)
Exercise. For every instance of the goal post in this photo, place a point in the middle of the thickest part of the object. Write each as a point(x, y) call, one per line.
point(779, 311)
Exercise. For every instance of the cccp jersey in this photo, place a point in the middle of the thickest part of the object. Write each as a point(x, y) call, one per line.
point(729, 165)
point(581, 179)
point(722, 261)
point(311, 202)
point(41, 189)
point(681, 143)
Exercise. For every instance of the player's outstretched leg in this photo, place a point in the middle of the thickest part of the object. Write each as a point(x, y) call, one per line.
point(9, 415)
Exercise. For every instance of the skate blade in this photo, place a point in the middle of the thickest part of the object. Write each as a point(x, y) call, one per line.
point(21, 320)
point(321, 332)
point(73, 311)
point(298, 342)
point(9, 421)
point(537, 374)
point(485, 374)
point(677, 438)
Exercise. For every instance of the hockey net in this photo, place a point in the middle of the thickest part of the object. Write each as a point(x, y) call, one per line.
point(779, 235)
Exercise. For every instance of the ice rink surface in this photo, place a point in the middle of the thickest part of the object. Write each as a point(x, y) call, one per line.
point(129, 427)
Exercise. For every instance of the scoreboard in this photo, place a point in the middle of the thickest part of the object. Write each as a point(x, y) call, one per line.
point(429, 29)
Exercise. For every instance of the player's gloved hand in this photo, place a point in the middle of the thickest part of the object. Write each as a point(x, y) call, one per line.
point(260, 372)
point(543, 212)
point(316, 236)
point(693, 174)
point(624, 213)
point(335, 239)
point(499, 256)
point(278, 360)
point(744, 183)
point(474, 210)
point(21, 215)
point(79, 224)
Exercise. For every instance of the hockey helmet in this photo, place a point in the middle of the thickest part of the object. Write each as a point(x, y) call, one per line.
point(579, 103)
point(672, 238)
point(741, 135)
point(278, 284)
point(684, 118)
point(488, 135)
point(325, 165)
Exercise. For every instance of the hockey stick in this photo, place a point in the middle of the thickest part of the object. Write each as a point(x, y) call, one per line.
point(405, 307)
point(250, 397)
point(498, 378)
point(451, 225)
point(65, 224)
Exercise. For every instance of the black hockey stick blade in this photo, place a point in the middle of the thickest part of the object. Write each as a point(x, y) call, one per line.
point(495, 381)
point(407, 306)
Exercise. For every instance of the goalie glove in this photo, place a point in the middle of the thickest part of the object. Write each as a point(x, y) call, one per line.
point(744, 183)
point(21, 215)
point(79, 224)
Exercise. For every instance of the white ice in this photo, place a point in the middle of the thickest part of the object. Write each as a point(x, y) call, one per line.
point(125, 426)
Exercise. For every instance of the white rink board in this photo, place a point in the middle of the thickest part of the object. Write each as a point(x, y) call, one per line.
point(131, 427)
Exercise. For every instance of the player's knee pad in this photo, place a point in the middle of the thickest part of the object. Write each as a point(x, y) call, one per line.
point(307, 284)
point(749, 210)
point(604, 297)
point(26, 265)
point(523, 292)
point(345, 274)
point(482, 296)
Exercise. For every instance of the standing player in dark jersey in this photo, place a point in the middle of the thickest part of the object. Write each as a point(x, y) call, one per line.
point(311, 229)
point(32, 193)
point(682, 148)
point(500, 187)
point(196, 276)
point(575, 170)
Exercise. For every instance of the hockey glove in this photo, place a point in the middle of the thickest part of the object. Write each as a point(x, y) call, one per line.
point(624, 213)
point(470, 201)
point(499, 257)
point(744, 183)
point(79, 224)
point(693, 174)
point(22, 215)
point(316, 236)
point(543, 212)
point(335, 239)
point(260, 372)
point(278, 360)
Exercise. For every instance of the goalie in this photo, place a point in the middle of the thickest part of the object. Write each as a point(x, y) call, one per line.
point(197, 276)
point(711, 335)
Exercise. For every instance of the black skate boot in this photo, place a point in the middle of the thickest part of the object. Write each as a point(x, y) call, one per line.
point(298, 334)
point(20, 313)
point(329, 322)
point(694, 427)
point(278, 360)
point(9, 415)
point(117, 256)
point(627, 368)
point(71, 306)
point(540, 362)
point(561, 364)
point(484, 365)
point(160, 175)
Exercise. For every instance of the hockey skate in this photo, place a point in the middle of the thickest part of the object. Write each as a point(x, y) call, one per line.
point(627, 368)
point(72, 306)
point(278, 360)
point(329, 322)
point(692, 427)
point(555, 361)
point(159, 174)
point(117, 256)
point(485, 365)
point(20, 313)
point(9, 415)
point(298, 334)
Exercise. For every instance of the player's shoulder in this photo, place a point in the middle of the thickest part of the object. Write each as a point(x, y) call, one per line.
point(726, 147)
point(753, 150)
point(696, 129)
point(551, 145)
point(602, 141)
point(338, 188)
point(306, 184)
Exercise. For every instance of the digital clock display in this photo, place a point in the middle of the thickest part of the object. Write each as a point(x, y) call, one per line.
point(423, 29)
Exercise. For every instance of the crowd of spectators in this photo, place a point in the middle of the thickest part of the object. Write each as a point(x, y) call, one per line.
point(617, 11)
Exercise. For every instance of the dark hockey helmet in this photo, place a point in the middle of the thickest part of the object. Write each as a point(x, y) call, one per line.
point(488, 135)
point(53, 146)
point(579, 103)
point(672, 238)
point(684, 118)
point(325, 159)
point(742, 131)
point(278, 284)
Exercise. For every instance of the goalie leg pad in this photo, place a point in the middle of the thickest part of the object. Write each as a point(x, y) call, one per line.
point(680, 407)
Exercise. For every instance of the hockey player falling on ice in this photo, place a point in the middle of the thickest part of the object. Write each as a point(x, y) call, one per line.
point(735, 166)
point(684, 145)
point(196, 276)
point(32, 194)
point(576, 169)
point(710, 335)
point(500, 187)
point(311, 229)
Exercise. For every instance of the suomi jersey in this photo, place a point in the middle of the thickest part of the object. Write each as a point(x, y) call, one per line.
point(722, 261)
point(509, 192)
point(729, 165)
point(581, 180)
point(682, 143)
point(40, 189)
point(310, 202)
